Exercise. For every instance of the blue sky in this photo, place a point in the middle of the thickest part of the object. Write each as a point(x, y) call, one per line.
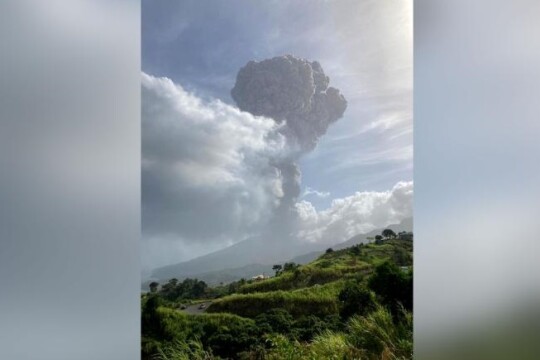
point(365, 47)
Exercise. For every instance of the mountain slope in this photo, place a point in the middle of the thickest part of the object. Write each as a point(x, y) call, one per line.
point(253, 256)
point(251, 251)
point(313, 289)
point(404, 225)
point(298, 309)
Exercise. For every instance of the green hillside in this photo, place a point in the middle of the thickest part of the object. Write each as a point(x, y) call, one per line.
point(354, 303)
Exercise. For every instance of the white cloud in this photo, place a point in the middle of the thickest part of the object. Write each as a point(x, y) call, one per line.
point(356, 214)
point(206, 172)
point(392, 155)
point(312, 192)
point(208, 182)
point(393, 122)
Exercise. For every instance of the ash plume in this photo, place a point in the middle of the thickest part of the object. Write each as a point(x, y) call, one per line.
point(293, 90)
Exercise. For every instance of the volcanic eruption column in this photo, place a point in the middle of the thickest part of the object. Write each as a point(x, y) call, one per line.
point(294, 92)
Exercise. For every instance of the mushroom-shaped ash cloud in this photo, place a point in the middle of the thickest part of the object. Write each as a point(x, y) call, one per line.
point(287, 88)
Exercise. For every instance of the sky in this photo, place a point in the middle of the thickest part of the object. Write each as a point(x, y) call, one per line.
point(365, 47)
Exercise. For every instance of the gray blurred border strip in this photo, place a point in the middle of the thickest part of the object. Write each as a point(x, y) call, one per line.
point(476, 152)
point(69, 180)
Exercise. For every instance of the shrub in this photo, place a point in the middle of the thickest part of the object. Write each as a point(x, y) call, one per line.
point(307, 327)
point(150, 321)
point(392, 286)
point(316, 300)
point(330, 345)
point(184, 350)
point(379, 336)
point(304, 276)
point(187, 289)
point(224, 334)
point(277, 320)
point(355, 299)
point(389, 233)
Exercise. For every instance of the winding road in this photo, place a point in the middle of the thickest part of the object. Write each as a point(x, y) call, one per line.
point(195, 308)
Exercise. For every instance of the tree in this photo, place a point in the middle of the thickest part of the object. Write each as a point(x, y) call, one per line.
point(329, 250)
point(278, 320)
point(153, 286)
point(290, 266)
point(277, 268)
point(401, 257)
point(388, 233)
point(150, 320)
point(393, 287)
point(308, 326)
point(378, 237)
point(355, 299)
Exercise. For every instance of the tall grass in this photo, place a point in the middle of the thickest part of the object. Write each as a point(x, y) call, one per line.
point(331, 346)
point(183, 350)
point(372, 337)
point(305, 276)
point(180, 326)
point(379, 336)
point(317, 300)
point(228, 329)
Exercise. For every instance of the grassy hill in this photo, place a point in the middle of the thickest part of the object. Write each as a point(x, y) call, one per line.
point(357, 301)
point(317, 300)
point(246, 259)
point(336, 265)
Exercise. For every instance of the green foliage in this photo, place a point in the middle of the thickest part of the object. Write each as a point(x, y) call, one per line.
point(378, 336)
point(331, 345)
point(283, 348)
point(389, 233)
point(306, 276)
point(290, 266)
point(187, 289)
point(402, 257)
point(235, 286)
point(275, 320)
point(318, 300)
point(355, 299)
point(304, 328)
point(351, 303)
point(150, 322)
point(308, 327)
point(327, 345)
point(374, 336)
point(393, 287)
point(153, 286)
point(356, 250)
point(277, 268)
point(183, 350)
point(225, 335)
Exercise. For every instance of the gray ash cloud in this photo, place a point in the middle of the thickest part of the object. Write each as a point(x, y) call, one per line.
point(291, 90)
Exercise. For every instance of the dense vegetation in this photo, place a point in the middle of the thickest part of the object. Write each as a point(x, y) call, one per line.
point(354, 303)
